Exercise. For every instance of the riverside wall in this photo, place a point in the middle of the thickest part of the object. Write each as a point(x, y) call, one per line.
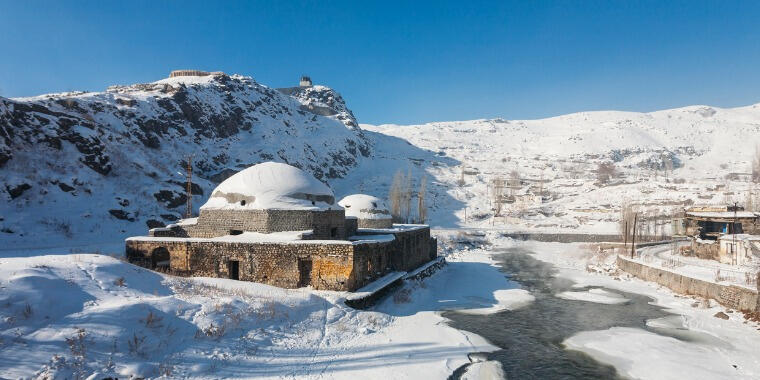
point(731, 296)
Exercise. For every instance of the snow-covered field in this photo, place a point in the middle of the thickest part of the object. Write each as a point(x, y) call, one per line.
point(62, 316)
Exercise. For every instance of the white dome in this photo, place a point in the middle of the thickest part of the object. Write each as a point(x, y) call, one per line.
point(365, 206)
point(271, 185)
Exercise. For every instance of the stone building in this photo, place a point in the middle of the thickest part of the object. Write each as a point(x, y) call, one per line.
point(305, 81)
point(709, 222)
point(275, 224)
point(369, 211)
point(723, 233)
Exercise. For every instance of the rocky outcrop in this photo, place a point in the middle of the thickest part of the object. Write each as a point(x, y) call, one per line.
point(86, 149)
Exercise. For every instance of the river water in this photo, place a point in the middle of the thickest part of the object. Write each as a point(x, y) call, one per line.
point(530, 338)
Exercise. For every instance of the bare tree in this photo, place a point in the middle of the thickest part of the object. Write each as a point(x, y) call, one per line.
point(605, 171)
point(756, 166)
point(626, 221)
point(513, 182)
point(498, 195)
point(407, 194)
point(461, 182)
point(395, 195)
point(421, 207)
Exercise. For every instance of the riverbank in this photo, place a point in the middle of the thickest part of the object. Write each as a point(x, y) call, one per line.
point(692, 342)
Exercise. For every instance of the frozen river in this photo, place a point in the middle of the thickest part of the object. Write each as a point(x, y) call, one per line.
point(530, 338)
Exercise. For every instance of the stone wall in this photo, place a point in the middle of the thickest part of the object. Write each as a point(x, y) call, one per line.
point(329, 224)
point(323, 266)
point(352, 224)
point(375, 223)
point(728, 295)
point(707, 251)
point(334, 265)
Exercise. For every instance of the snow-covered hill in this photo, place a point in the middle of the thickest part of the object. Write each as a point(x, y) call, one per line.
point(89, 167)
point(664, 160)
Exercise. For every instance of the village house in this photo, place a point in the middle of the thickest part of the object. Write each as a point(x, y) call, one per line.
point(728, 234)
point(276, 224)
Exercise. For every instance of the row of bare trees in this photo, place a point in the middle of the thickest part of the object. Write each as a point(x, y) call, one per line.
point(643, 226)
point(401, 194)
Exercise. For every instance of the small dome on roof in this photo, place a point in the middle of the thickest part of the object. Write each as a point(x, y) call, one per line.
point(271, 185)
point(363, 206)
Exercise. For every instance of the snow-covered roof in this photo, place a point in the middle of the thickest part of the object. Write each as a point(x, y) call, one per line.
point(365, 206)
point(271, 185)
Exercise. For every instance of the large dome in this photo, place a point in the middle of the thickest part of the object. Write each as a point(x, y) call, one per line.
point(363, 206)
point(271, 185)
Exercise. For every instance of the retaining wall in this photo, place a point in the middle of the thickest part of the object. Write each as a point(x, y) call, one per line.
point(727, 295)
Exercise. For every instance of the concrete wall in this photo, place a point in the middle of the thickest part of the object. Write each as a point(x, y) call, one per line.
point(728, 295)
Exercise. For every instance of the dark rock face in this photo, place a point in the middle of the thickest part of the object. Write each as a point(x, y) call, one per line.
point(16, 191)
point(114, 149)
point(121, 214)
point(171, 198)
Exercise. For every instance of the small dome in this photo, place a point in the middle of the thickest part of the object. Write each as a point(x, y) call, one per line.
point(271, 185)
point(363, 206)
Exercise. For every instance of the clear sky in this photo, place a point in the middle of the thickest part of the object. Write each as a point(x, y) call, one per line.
point(403, 62)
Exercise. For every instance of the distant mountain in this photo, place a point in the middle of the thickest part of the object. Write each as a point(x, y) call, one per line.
point(73, 163)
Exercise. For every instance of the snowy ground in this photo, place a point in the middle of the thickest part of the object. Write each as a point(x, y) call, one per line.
point(83, 314)
point(709, 348)
point(668, 258)
point(665, 161)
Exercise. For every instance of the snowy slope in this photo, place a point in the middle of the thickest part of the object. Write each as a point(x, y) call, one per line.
point(665, 160)
point(79, 315)
point(94, 167)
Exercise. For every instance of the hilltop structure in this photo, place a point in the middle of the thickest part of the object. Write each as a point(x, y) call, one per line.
point(275, 224)
point(193, 73)
point(305, 81)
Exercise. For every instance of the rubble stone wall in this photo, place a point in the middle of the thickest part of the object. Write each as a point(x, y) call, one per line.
point(329, 224)
point(328, 266)
point(375, 223)
point(728, 295)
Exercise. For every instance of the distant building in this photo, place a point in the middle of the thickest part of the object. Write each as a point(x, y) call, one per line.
point(709, 222)
point(276, 224)
point(305, 81)
point(723, 233)
point(193, 73)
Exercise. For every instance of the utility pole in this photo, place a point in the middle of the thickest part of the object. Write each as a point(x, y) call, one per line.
point(734, 251)
point(633, 236)
point(625, 236)
point(189, 189)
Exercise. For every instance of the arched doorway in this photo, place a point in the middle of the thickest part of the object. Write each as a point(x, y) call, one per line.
point(159, 258)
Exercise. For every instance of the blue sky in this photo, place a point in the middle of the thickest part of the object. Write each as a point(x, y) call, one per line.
point(403, 62)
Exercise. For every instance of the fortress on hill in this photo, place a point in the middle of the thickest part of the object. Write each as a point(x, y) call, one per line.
point(276, 224)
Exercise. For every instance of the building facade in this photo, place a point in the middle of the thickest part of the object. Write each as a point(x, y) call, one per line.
point(275, 224)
